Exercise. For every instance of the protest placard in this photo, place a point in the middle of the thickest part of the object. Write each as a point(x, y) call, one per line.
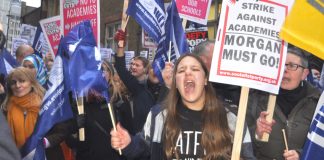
point(27, 32)
point(143, 54)
point(16, 42)
point(51, 30)
point(248, 51)
point(147, 41)
point(41, 46)
point(106, 54)
point(129, 55)
point(73, 12)
point(194, 10)
point(195, 33)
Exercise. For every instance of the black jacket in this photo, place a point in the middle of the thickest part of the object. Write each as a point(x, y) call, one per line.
point(142, 98)
point(296, 124)
point(97, 127)
point(8, 148)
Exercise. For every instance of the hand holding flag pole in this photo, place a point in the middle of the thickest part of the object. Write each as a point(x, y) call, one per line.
point(125, 19)
point(113, 122)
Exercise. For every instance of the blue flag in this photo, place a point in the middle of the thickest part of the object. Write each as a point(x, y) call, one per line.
point(55, 108)
point(85, 61)
point(38, 44)
point(150, 15)
point(314, 146)
point(7, 62)
point(175, 34)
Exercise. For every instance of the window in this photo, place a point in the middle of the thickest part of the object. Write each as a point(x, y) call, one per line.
point(213, 18)
point(111, 29)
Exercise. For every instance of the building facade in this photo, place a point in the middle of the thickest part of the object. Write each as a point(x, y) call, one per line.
point(110, 21)
point(10, 19)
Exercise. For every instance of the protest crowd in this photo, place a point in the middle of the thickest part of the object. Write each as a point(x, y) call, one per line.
point(72, 105)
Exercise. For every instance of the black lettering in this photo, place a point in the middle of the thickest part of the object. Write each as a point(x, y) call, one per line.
point(240, 55)
point(268, 61)
point(229, 39)
point(250, 41)
point(240, 40)
point(228, 54)
point(260, 43)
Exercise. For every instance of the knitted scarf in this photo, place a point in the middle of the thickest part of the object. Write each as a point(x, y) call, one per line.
point(288, 99)
point(22, 116)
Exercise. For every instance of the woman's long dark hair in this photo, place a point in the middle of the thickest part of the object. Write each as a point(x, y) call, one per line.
point(216, 137)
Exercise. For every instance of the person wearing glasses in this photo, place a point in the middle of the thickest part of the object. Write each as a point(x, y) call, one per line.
point(295, 106)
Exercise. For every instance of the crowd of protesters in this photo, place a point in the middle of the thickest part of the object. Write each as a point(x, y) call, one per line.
point(183, 117)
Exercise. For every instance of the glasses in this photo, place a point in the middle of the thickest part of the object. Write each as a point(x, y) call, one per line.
point(293, 67)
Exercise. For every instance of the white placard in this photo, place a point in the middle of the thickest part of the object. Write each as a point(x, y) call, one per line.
point(28, 32)
point(248, 51)
point(129, 55)
point(106, 54)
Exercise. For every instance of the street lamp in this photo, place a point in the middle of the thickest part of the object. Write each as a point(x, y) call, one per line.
point(13, 14)
point(8, 24)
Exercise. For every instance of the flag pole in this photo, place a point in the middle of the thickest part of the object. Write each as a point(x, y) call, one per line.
point(113, 123)
point(80, 106)
point(169, 52)
point(184, 23)
point(171, 31)
point(285, 139)
point(124, 22)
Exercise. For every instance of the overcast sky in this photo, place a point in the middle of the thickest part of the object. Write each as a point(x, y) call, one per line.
point(33, 3)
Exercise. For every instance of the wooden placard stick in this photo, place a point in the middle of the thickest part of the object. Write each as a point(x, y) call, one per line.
point(184, 23)
point(113, 122)
point(270, 110)
point(80, 106)
point(124, 21)
point(238, 136)
point(285, 138)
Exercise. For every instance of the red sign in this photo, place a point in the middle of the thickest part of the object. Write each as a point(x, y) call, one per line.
point(194, 38)
point(194, 10)
point(51, 29)
point(75, 11)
